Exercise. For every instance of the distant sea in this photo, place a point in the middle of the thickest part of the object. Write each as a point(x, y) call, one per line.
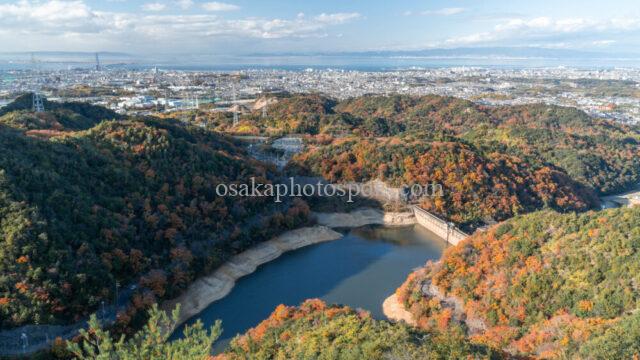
point(338, 62)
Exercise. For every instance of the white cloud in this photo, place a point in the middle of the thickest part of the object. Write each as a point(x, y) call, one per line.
point(46, 12)
point(185, 4)
point(603, 42)
point(338, 18)
point(470, 39)
point(546, 24)
point(219, 6)
point(73, 25)
point(48, 17)
point(154, 7)
point(445, 11)
point(548, 29)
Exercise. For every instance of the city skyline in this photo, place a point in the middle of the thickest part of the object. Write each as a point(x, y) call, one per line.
point(239, 27)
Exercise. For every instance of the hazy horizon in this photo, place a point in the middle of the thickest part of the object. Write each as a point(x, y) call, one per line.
point(486, 57)
point(242, 27)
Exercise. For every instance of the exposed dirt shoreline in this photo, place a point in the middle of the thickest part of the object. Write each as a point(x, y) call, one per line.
point(395, 311)
point(215, 286)
point(365, 216)
point(218, 284)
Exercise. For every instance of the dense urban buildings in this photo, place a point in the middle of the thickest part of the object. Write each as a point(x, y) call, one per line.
point(607, 93)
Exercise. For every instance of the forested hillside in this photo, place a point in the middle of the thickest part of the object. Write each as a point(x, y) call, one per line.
point(67, 116)
point(477, 186)
point(598, 153)
point(128, 201)
point(319, 331)
point(544, 284)
point(89, 199)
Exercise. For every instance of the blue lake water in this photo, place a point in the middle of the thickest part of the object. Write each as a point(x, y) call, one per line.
point(359, 270)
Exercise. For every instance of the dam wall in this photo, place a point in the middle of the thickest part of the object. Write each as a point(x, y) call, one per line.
point(447, 231)
point(378, 190)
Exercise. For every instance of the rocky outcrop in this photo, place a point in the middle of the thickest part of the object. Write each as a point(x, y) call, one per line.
point(395, 311)
point(475, 325)
point(264, 101)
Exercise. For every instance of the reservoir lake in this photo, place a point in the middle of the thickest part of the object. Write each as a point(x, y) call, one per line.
point(361, 270)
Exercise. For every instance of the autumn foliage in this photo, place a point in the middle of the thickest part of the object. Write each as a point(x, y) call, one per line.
point(598, 153)
point(315, 330)
point(477, 187)
point(129, 201)
point(544, 284)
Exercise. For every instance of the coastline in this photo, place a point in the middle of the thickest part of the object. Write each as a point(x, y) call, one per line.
point(218, 284)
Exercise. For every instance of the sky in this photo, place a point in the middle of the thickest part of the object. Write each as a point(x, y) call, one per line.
point(237, 27)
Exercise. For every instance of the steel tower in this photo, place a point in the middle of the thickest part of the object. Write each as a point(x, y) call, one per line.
point(38, 103)
point(235, 107)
